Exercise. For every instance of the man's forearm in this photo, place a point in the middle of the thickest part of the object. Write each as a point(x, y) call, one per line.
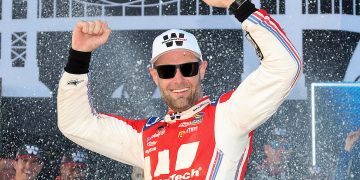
point(262, 92)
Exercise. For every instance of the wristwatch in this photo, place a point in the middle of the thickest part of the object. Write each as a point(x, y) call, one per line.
point(236, 5)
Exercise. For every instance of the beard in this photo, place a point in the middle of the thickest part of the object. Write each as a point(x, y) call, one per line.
point(182, 103)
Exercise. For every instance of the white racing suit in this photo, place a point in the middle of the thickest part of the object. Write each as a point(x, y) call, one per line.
point(211, 140)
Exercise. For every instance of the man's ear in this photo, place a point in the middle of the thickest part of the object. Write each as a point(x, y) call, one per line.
point(203, 69)
point(154, 75)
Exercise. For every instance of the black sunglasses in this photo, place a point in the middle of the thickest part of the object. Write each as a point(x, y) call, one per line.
point(187, 70)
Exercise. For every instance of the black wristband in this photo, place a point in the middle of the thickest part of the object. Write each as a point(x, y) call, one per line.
point(242, 9)
point(78, 62)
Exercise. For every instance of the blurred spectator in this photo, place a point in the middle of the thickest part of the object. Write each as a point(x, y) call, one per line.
point(275, 164)
point(28, 162)
point(348, 166)
point(74, 165)
point(7, 170)
point(137, 173)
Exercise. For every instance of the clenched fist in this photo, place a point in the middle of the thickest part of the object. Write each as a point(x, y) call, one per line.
point(89, 35)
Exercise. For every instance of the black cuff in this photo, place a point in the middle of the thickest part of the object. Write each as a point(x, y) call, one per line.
point(78, 62)
point(242, 11)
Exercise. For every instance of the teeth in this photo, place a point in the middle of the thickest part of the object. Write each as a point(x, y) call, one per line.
point(180, 90)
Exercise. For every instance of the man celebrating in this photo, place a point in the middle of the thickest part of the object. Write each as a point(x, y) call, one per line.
point(197, 139)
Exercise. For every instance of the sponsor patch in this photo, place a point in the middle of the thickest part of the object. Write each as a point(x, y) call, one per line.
point(151, 121)
point(200, 105)
point(187, 131)
point(190, 174)
point(151, 143)
point(150, 150)
point(74, 82)
point(197, 120)
point(158, 133)
point(178, 39)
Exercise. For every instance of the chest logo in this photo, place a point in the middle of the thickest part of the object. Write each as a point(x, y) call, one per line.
point(187, 131)
point(151, 143)
point(74, 82)
point(159, 132)
point(152, 121)
point(197, 120)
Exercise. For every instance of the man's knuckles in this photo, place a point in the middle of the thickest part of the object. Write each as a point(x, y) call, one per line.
point(91, 27)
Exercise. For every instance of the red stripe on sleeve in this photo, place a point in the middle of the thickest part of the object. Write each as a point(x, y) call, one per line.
point(138, 125)
point(247, 156)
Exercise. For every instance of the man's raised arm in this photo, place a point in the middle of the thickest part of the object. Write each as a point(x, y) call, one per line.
point(262, 92)
point(114, 137)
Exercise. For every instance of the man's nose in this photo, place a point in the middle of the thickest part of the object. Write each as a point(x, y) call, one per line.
point(178, 76)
